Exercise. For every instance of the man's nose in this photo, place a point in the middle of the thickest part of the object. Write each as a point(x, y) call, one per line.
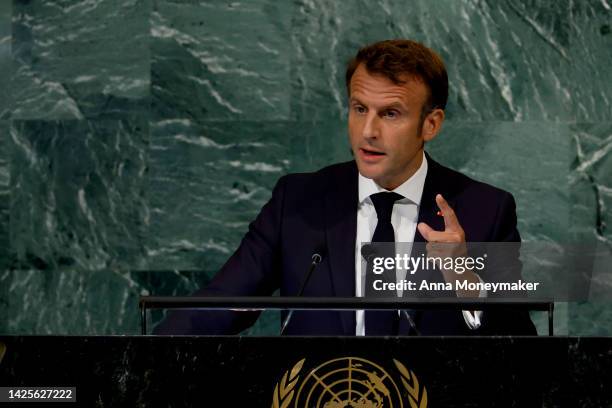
point(371, 128)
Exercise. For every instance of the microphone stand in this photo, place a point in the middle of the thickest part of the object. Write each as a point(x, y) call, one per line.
point(316, 259)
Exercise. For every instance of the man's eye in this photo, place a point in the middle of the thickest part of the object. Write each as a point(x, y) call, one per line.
point(390, 114)
point(359, 109)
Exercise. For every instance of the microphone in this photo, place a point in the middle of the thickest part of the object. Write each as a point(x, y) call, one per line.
point(410, 322)
point(316, 260)
point(369, 252)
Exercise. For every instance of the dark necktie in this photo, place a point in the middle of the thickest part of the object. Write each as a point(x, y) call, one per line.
point(382, 322)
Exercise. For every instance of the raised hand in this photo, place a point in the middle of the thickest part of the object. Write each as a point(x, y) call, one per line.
point(452, 234)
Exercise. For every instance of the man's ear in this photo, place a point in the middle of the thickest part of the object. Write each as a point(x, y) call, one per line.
point(432, 124)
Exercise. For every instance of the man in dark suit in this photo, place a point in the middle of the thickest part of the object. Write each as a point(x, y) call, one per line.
point(392, 191)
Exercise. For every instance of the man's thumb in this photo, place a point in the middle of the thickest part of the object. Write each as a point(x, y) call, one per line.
point(425, 230)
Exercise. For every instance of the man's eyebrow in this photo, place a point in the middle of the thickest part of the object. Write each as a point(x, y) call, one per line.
point(393, 105)
point(386, 107)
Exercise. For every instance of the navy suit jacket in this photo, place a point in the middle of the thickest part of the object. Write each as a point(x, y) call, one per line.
point(317, 212)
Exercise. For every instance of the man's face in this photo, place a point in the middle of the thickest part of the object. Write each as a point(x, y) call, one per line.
point(384, 127)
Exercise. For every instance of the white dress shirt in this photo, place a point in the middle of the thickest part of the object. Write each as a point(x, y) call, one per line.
point(404, 218)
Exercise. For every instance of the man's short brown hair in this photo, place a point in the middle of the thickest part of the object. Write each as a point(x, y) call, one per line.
point(395, 58)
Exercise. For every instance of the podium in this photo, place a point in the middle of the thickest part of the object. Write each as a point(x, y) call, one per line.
point(185, 371)
point(322, 372)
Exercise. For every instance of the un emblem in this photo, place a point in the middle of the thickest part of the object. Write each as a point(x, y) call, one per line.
point(349, 382)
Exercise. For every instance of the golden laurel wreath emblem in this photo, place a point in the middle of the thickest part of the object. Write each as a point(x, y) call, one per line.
point(349, 382)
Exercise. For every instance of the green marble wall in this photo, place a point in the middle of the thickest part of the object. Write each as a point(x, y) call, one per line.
point(139, 138)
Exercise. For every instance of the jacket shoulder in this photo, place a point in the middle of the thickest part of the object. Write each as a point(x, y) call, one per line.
point(322, 177)
point(463, 184)
point(486, 212)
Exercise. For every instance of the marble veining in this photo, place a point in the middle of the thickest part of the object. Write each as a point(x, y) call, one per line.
point(139, 138)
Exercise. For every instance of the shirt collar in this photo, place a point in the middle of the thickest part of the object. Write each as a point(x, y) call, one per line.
point(412, 189)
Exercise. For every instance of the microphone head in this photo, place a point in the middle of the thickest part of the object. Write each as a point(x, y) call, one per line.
point(318, 254)
point(368, 251)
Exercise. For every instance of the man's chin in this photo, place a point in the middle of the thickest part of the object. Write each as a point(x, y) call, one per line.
point(369, 170)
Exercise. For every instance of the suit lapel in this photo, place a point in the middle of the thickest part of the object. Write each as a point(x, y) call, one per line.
point(428, 208)
point(341, 230)
point(435, 183)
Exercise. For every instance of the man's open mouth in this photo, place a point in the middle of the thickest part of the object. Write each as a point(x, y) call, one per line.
point(372, 152)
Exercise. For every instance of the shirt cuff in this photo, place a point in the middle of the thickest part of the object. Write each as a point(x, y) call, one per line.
point(472, 318)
